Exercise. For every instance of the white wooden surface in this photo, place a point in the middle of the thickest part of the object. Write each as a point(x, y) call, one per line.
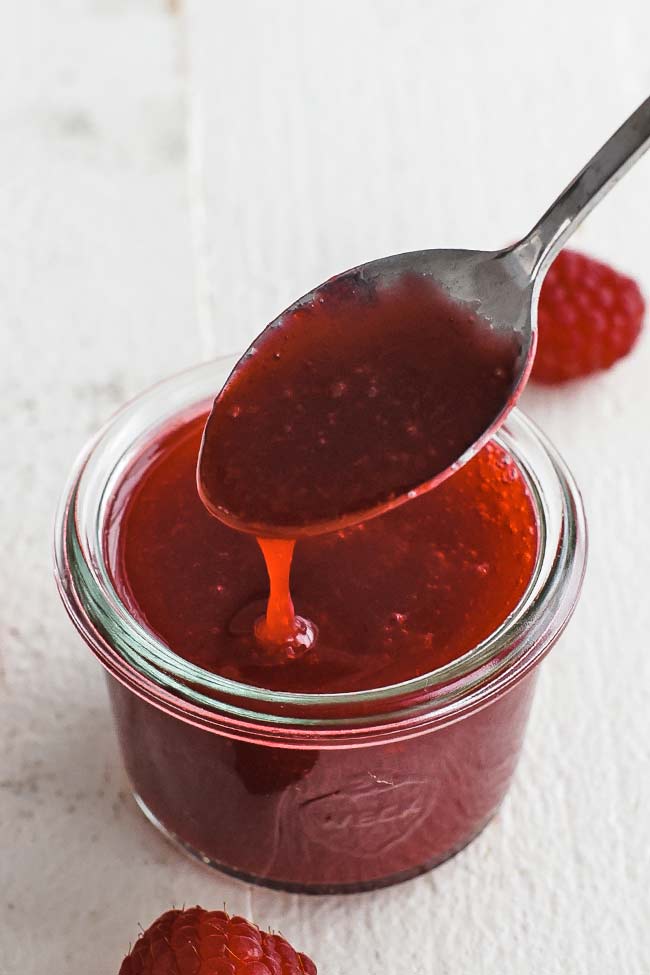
point(171, 175)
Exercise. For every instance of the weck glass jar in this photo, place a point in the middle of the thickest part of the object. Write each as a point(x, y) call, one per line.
point(313, 792)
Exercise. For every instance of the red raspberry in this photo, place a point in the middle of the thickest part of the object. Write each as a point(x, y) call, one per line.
point(589, 316)
point(198, 942)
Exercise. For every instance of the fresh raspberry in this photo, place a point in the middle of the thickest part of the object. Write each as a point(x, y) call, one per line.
point(589, 316)
point(199, 942)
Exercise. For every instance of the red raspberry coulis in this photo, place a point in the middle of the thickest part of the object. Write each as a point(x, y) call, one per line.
point(376, 602)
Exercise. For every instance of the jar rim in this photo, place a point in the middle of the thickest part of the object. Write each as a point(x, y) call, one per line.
point(137, 657)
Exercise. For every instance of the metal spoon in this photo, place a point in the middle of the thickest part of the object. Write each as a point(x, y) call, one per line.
point(259, 491)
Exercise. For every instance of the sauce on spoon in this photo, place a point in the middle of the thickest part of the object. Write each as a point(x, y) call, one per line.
point(354, 400)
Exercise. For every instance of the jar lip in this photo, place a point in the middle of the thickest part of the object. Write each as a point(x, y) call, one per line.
point(136, 656)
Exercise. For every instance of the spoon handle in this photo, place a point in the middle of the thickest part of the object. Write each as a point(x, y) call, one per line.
point(620, 152)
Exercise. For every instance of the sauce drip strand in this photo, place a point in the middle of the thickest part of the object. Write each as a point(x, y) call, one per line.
point(359, 397)
point(279, 628)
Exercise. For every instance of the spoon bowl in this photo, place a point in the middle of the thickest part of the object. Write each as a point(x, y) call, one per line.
point(362, 394)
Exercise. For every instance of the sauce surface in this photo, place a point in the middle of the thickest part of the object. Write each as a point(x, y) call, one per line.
point(389, 599)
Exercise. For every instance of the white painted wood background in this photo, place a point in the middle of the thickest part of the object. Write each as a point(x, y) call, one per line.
point(172, 175)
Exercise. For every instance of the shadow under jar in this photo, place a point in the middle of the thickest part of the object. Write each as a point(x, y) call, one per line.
point(319, 793)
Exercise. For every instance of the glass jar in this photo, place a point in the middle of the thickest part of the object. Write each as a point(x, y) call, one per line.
point(313, 792)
